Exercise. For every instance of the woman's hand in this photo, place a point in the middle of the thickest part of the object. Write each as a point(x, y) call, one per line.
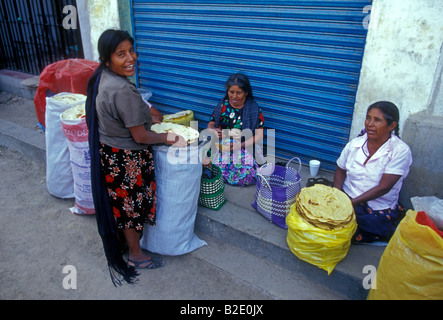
point(156, 115)
point(143, 136)
point(218, 131)
point(385, 185)
point(176, 140)
point(156, 119)
point(237, 145)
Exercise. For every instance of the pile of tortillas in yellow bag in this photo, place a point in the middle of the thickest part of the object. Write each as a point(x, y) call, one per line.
point(320, 226)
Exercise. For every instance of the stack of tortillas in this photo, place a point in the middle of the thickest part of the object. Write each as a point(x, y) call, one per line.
point(188, 133)
point(325, 207)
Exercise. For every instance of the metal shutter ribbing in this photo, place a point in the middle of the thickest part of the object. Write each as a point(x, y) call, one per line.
point(303, 59)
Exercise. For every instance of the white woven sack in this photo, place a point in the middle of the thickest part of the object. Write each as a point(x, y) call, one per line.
point(59, 178)
point(178, 188)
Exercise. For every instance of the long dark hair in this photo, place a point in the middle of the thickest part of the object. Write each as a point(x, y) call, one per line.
point(107, 43)
point(390, 112)
point(240, 80)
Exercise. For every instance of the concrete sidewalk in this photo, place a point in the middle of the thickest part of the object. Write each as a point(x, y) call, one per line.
point(236, 224)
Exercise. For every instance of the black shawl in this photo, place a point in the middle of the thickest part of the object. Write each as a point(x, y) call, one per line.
point(105, 218)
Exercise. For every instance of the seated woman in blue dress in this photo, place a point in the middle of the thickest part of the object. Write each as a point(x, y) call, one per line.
point(234, 114)
point(371, 170)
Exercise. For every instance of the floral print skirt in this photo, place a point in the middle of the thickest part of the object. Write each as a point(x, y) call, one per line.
point(130, 180)
point(239, 168)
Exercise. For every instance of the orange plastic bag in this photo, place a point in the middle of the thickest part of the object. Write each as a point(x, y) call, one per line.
point(70, 75)
point(411, 266)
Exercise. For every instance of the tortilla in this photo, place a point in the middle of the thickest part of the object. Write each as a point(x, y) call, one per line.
point(74, 113)
point(188, 133)
point(69, 98)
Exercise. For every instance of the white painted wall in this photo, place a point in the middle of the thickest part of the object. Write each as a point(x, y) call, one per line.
point(401, 59)
point(95, 16)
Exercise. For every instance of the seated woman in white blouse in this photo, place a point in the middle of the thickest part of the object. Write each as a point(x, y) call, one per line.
point(371, 170)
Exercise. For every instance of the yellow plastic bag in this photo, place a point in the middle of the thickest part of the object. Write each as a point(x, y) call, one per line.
point(322, 248)
point(182, 117)
point(411, 266)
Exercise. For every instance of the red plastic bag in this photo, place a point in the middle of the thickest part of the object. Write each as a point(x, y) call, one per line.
point(423, 219)
point(70, 75)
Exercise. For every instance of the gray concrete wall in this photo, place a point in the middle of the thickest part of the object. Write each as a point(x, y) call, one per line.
point(424, 134)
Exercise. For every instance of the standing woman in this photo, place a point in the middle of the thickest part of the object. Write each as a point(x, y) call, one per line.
point(122, 168)
point(371, 170)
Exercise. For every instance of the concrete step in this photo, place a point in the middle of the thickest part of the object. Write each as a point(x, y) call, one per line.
point(261, 274)
point(24, 140)
point(19, 83)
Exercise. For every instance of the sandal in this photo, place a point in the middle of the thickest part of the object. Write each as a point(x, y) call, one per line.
point(324, 181)
point(152, 263)
point(313, 181)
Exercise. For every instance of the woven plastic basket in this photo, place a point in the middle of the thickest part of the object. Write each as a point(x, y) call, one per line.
point(212, 193)
point(276, 190)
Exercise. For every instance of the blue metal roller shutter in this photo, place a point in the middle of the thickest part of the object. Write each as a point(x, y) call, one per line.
point(303, 59)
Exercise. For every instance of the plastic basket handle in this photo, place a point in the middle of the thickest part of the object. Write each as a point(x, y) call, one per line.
point(267, 183)
point(299, 163)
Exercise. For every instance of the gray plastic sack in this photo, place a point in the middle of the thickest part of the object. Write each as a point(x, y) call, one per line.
point(178, 173)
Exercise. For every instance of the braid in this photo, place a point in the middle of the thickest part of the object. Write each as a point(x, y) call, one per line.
point(397, 130)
